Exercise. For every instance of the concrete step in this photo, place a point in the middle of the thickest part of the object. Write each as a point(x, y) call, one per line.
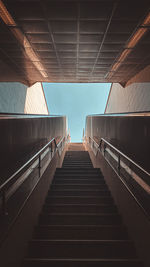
point(32, 262)
point(77, 161)
point(83, 232)
point(77, 176)
point(79, 192)
point(80, 219)
point(79, 186)
point(74, 208)
point(77, 181)
point(78, 200)
point(81, 249)
point(77, 166)
point(81, 170)
point(92, 181)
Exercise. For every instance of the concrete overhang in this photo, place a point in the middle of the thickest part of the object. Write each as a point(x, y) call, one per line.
point(73, 41)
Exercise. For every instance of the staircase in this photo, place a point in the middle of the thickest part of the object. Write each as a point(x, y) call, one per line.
point(79, 225)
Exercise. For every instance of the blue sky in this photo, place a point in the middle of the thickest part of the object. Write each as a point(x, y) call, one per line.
point(76, 101)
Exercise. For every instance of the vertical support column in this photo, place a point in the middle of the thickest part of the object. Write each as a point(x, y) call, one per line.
point(39, 166)
point(4, 208)
point(119, 164)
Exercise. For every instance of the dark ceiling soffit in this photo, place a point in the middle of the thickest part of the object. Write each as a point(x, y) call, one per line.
point(82, 75)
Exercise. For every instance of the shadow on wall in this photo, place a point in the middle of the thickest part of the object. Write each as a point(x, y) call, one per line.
point(21, 138)
point(12, 97)
point(130, 134)
point(18, 98)
point(35, 102)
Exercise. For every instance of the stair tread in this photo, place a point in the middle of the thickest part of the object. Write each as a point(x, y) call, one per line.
point(78, 189)
point(82, 260)
point(84, 181)
point(81, 215)
point(81, 197)
point(78, 184)
point(79, 205)
point(81, 226)
point(84, 241)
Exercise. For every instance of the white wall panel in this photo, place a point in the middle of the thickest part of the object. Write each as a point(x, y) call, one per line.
point(17, 98)
point(35, 100)
point(12, 97)
point(133, 98)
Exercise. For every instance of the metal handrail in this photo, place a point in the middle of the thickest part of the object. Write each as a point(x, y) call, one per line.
point(12, 179)
point(145, 185)
point(126, 157)
point(95, 142)
point(119, 152)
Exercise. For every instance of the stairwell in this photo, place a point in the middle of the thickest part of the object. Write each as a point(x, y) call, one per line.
point(80, 224)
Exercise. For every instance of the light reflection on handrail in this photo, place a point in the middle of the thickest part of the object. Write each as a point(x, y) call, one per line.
point(119, 152)
point(142, 180)
point(126, 157)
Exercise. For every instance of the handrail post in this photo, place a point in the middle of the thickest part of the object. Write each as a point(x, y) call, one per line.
point(39, 166)
point(55, 145)
point(104, 149)
point(119, 164)
point(100, 145)
point(51, 150)
point(4, 210)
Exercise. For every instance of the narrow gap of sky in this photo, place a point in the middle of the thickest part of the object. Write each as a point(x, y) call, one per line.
point(76, 101)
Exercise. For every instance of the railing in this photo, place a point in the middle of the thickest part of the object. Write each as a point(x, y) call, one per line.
point(134, 177)
point(9, 187)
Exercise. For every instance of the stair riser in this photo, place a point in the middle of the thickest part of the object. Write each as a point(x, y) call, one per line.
point(77, 159)
point(78, 181)
point(78, 177)
point(80, 187)
point(92, 170)
point(108, 233)
point(81, 250)
point(79, 193)
point(82, 170)
point(78, 209)
point(83, 163)
point(77, 162)
point(76, 166)
point(79, 220)
point(72, 162)
point(77, 173)
point(78, 200)
point(53, 263)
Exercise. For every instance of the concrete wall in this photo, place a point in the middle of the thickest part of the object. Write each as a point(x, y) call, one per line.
point(12, 97)
point(133, 98)
point(20, 138)
point(18, 98)
point(35, 100)
point(130, 134)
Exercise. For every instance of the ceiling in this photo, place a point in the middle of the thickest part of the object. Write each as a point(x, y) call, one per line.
point(75, 41)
